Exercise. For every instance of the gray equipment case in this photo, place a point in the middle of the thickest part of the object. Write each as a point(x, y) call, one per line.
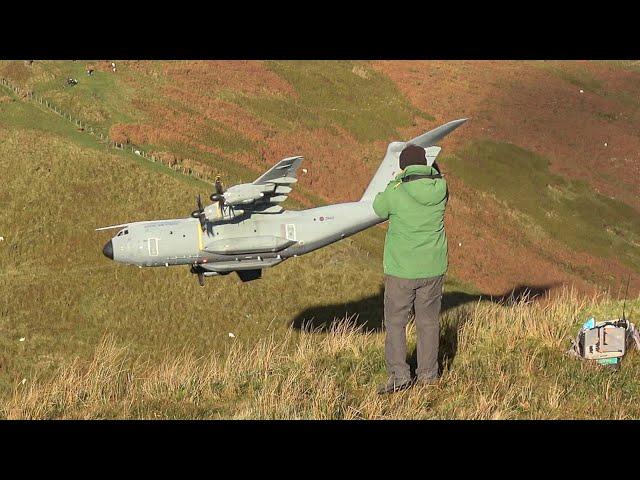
point(607, 339)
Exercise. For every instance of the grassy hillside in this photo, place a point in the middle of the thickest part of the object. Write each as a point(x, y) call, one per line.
point(61, 296)
point(84, 337)
point(500, 361)
point(237, 118)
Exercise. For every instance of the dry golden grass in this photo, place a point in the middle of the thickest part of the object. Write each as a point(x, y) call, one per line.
point(508, 362)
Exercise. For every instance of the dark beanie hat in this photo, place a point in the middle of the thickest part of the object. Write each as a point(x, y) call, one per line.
point(412, 155)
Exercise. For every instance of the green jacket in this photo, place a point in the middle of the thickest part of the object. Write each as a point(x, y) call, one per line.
point(416, 244)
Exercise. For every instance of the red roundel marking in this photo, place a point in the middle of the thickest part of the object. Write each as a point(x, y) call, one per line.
point(322, 219)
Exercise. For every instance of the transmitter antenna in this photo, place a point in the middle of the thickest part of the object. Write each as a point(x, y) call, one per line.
point(624, 304)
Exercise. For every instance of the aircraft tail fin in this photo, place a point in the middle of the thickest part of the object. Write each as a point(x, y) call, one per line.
point(389, 167)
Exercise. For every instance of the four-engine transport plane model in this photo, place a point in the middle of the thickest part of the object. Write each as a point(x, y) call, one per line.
point(245, 229)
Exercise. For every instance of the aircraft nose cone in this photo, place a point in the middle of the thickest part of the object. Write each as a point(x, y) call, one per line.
point(108, 250)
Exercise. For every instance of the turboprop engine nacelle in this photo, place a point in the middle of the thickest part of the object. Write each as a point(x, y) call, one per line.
point(245, 193)
point(214, 212)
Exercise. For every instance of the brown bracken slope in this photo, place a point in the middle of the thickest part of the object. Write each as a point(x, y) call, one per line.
point(540, 107)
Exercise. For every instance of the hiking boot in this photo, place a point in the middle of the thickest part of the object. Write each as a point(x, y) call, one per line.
point(394, 385)
point(423, 381)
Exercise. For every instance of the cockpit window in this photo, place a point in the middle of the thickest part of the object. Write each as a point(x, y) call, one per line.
point(122, 232)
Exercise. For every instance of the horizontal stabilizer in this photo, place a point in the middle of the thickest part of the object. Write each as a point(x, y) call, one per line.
point(431, 154)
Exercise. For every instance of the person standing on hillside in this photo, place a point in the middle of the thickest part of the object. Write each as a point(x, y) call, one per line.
point(415, 261)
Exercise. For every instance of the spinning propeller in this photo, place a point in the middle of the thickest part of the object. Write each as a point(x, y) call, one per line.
point(199, 213)
point(217, 196)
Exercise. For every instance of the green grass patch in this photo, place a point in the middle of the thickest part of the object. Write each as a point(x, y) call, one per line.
point(348, 94)
point(575, 74)
point(578, 75)
point(215, 134)
point(100, 100)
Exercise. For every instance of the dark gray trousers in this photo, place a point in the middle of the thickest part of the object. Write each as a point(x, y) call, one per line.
point(425, 296)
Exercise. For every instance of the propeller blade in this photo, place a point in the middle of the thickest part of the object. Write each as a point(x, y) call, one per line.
point(199, 213)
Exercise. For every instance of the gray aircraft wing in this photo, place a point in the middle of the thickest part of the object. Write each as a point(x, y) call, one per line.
point(267, 192)
point(283, 172)
point(278, 182)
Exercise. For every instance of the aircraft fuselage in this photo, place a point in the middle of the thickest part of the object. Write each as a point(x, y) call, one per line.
point(247, 242)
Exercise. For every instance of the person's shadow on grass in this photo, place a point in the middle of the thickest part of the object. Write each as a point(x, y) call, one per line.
point(367, 315)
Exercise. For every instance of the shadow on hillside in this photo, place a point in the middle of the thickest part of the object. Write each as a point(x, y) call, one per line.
point(367, 315)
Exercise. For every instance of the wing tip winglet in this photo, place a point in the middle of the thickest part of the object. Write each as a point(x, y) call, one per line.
point(112, 226)
point(432, 136)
